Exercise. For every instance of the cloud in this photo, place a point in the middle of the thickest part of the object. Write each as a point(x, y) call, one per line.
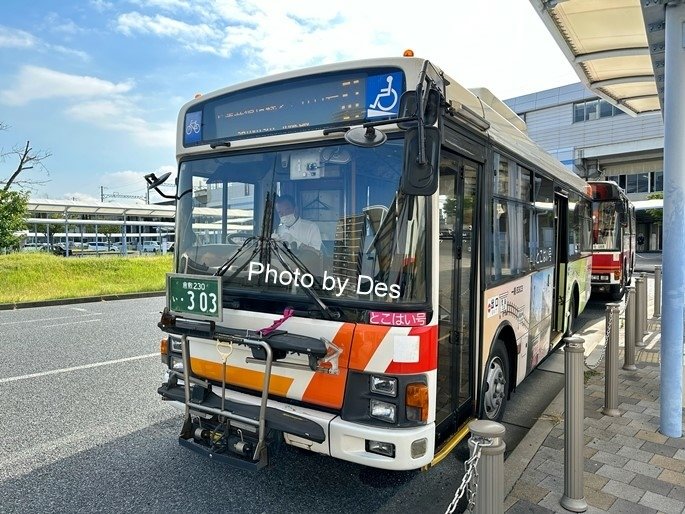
point(80, 197)
point(95, 101)
point(165, 5)
point(55, 23)
point(502, 51)
point(14, 38)
point(159, 25)
point(122, 115)
point(101, 5)
point(37, 83)
point(132, 183)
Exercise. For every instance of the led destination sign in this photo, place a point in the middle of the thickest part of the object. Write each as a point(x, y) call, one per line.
point(301, 104)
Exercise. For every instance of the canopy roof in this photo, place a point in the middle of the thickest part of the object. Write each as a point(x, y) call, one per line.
point(614, 46)
point(75, 207)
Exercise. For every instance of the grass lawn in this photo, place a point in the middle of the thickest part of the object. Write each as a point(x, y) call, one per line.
point(28, 277)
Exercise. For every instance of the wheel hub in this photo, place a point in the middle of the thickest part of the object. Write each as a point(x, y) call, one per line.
point(495, 388)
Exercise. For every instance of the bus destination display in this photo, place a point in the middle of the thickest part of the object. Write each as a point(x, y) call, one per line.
point(296, 105)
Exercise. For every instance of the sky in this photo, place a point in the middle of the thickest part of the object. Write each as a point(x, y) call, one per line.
point(98, 84)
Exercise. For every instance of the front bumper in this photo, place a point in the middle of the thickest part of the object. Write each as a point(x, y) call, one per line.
point(324, 432)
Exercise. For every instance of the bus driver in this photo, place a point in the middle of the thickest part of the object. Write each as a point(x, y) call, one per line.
point(294, 229)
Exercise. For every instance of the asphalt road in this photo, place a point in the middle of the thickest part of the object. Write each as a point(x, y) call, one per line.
point(83, 430)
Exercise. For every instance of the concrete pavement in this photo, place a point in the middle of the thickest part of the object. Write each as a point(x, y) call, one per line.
point(629, 466)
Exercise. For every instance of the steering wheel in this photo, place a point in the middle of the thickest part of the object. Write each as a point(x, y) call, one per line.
point(238, 238)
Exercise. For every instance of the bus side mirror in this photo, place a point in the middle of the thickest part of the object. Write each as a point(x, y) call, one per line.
point(409, 109)
point(420, 179)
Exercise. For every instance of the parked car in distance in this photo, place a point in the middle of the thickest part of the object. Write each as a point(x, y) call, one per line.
point(34, 247)
point(446, 233)
point(150, 247)
point(99, 247)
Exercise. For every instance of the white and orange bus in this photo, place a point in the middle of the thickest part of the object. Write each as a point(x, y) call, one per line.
point(440, 255)
point(613, 239)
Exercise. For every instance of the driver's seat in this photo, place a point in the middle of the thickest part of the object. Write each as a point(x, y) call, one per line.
point(312, 260)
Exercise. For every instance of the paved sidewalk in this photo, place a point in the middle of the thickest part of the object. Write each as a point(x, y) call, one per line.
point(629, 466)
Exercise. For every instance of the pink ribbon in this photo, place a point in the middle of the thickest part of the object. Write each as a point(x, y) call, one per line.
point(287, 313)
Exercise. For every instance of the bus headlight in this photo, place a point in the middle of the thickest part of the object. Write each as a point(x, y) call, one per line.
point(384, 385)
point(377, 399)
point(175, 343)
point(383, 410)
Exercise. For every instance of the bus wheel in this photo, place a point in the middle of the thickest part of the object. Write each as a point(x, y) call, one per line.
point(616, 292)
point(496, 385)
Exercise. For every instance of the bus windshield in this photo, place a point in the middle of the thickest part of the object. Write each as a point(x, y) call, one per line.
point(328, 218)
point(606, 233)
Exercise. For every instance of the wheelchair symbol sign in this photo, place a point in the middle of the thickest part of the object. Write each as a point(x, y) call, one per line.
point(193, 128)
point(383, 94)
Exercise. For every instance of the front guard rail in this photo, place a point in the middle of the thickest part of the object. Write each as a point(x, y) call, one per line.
point(261, 422)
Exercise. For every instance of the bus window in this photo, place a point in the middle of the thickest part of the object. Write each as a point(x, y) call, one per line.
point(511, 239)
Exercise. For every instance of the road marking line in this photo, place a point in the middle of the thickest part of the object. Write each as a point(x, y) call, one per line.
point(71, 323)
point(47, 319)
point(76, 368)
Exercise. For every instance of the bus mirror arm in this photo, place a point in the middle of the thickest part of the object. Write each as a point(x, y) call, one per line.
point(153, 182)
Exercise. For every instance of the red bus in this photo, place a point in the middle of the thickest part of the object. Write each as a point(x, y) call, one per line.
point(613, 238)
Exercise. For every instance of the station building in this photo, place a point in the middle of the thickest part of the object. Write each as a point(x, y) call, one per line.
point(600, 142)
point(52, 222)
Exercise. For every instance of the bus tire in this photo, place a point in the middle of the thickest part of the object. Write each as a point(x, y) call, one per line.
point(616, 292)
point(496, 383)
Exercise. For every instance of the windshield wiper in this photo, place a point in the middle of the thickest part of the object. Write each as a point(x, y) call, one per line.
point(310, 292)
point(259, 248)
point(226, 265)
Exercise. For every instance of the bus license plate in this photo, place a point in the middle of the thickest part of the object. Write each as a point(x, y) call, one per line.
point(198, 296)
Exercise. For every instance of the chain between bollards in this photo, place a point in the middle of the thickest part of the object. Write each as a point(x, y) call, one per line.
point(574, 415)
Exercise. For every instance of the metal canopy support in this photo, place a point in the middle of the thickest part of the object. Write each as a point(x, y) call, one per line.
point(674, 229)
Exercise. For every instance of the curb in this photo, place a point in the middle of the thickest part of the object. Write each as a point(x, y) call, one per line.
point(85, 299)
point(524, 452)
point(517, 462)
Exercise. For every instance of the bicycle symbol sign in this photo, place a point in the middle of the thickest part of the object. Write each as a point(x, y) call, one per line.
point(193, 127)
point(383, 94)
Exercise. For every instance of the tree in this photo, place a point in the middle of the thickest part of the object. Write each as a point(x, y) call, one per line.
point(13, 203)
point(27, 159)
point(12, 217)
point(656, 214)
point(108, 230)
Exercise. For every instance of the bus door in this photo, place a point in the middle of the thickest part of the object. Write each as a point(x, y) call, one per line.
point(456, 246)
point(561, 264)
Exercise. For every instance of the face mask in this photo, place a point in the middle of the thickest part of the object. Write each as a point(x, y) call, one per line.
point(288, 220)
